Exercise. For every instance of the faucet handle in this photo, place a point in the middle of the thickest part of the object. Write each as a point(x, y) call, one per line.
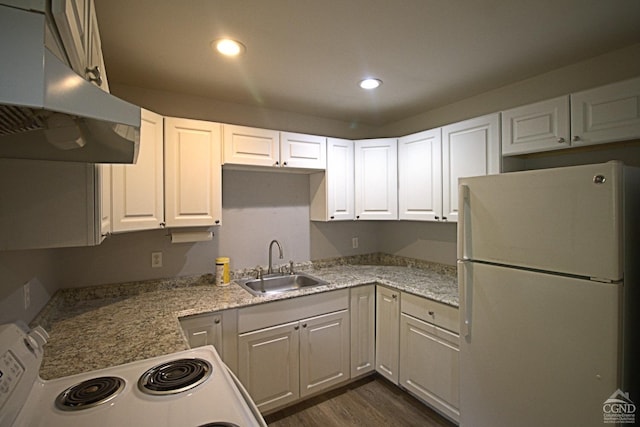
point(291, 267)
point(259, 272)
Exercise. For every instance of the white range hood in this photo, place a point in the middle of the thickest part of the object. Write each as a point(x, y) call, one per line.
point(47, 111)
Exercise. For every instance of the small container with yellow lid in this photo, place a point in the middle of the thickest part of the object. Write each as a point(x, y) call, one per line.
point(222, 271)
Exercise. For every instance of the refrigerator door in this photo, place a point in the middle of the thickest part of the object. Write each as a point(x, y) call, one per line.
point(565, 220)
point(535, 349)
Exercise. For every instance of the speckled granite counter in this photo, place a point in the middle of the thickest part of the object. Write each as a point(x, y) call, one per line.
point(102, 326)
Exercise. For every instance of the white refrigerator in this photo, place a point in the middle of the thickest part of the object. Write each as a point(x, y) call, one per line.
point(548, 266)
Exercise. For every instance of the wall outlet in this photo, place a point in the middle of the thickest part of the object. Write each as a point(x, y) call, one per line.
point(354, 242)
point(26, 290)
point(156, 259)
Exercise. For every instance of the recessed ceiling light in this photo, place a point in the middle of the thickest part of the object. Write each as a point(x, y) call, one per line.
point(370, 83)
point(229, 47)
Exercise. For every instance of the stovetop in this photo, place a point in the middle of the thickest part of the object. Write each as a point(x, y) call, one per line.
point(152, 392)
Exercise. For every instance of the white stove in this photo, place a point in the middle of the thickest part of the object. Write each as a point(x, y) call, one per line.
point(191, 388)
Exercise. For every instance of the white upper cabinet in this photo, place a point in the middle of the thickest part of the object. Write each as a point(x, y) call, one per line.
point(298, 150)
point(469, 148)
point(78, 27)
point(193, 173)
point(251, 146)
point(420, 176)
point(104, 172)
point(606, 114)
point(263, 147)
point(138, 189)
point(47, 204)
point(332, 192)
point(376, 178)
point(536, 127)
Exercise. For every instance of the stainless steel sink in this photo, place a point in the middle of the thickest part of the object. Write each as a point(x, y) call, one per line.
point(277, 283)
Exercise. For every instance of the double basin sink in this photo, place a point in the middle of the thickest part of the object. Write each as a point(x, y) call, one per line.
point(278, 283)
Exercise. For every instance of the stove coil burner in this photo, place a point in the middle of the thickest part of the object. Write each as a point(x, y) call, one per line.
point(175, 376)
point(89, 393)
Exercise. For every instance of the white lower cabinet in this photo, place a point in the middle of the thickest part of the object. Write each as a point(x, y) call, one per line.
point(429, 353)
point(294, 358)
point(268, 365)
point(387, 327)
point(363, 330)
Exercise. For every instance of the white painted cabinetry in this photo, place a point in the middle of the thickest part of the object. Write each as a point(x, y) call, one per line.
point(193, 173)
point(303, 349)
point(363, 327)
point(469, 148)
point(332, 191)
point(138, 189)
point(251, 146)
point(387, 332)
point(217, 329)
point(268, 365)
point(299, 150)
point(420, 176)
point(78, 28)
point(542, 126)
point(606, 114)
point(324, 352)
point(596, 116)
point(429, 353)
point(376, 179)
point(47, 204)
point(263, 147)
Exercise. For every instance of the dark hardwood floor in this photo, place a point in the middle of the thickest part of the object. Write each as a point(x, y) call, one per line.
point(370, 402)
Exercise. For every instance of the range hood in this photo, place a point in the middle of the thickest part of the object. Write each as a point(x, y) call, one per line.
point(47, 111)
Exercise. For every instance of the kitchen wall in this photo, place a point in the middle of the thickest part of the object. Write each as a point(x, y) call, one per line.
point(607, 68)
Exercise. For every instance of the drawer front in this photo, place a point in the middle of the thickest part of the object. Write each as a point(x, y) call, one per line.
point(439, 314)
point(290, 310)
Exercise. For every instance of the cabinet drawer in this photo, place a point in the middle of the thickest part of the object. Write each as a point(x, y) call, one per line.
point(430, 311)
point(290, 310)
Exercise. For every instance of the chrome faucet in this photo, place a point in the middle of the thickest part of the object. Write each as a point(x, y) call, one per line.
point(270, 269)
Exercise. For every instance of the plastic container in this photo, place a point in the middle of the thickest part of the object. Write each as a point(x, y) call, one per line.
point(222, 271)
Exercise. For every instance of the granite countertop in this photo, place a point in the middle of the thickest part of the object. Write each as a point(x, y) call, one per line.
point(108, 325)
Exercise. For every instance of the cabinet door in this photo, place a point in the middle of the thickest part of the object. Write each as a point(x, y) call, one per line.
point(469, 148)
point(324, 352)
point(420, 176)
point(95, 70)
point(363, 327)
point(606, 114)
point(542, 126)
point(193, 175)
point(71, 18)
point(104, 203)
point(387, 328)
point(138, 191)
point(204, 330)
point(332, 192)
point(429, 366)
point(251, 146)
point(269, 365)
point(376, 179)
point(298, 150)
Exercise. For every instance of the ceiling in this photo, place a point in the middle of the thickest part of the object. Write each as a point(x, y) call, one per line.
point(307, 56)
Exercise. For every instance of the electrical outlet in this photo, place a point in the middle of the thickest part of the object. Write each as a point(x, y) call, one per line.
point(156, 259)
point(354, 242)
point(26, 289)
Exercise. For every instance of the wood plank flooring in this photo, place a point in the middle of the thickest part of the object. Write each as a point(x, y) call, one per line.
point(371, 402)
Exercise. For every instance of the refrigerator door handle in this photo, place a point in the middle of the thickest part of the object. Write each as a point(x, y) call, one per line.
point(464, 284)
point(463, 219)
